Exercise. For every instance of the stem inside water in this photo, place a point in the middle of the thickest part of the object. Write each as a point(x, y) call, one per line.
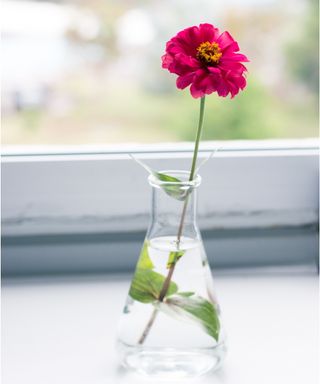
point(166, 283)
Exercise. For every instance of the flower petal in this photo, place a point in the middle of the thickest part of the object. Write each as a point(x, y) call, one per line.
point(225, 40)
point(234, 57)
point(223, 89)
point(184, 81)
point(208, 32)
point(196, 92)
point(183, 64)
point(214, 70)
point(204, 83)
point(232, 66)
point(233, 88)
point(167, 60)
point(189, 39)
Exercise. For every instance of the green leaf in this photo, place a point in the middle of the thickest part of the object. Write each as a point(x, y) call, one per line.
point(185, 294)
point(144, 261)
point(166, 178)
point(147, 284)
point(187, 306)
point(177, 191)
point(174, 257)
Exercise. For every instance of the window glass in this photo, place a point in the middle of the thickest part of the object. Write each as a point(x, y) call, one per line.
point(89, 71)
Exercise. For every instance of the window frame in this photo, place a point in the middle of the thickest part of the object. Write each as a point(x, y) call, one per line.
point(67, 195)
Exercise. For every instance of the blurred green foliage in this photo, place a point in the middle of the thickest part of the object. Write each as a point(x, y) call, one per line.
point(303, 53)
point(105, 107)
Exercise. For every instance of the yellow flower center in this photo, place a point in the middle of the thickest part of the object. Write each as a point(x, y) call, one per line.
point(209, 53)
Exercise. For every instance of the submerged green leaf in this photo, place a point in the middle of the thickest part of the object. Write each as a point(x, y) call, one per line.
point(174, 257)
point(190, 307)
point(147, 284)
point(185, 294)
point(144, 261)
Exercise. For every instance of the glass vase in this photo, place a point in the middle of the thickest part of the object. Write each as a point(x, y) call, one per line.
point(171, 325)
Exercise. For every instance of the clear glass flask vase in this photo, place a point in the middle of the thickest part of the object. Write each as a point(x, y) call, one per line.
point(171, 325)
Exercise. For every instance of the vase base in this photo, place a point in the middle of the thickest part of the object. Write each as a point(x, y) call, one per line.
point(172, 363)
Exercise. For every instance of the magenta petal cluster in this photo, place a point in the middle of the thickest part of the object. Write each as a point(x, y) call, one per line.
point(206, 60)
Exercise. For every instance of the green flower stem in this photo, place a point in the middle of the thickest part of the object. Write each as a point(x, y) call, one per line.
point(167, 281)
point(198, 137)
point(193, 166)
point(148, 326)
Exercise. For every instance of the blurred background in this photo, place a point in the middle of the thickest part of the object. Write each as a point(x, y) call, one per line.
point(89, 71)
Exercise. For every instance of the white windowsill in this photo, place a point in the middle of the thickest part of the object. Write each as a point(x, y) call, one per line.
point(63, 331)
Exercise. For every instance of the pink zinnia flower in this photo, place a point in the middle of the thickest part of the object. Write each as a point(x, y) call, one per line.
point(206, 60)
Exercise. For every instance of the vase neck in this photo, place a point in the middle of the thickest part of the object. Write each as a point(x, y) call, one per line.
point(174, 210)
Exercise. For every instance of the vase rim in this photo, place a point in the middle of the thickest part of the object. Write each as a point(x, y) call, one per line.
point(184, 175)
